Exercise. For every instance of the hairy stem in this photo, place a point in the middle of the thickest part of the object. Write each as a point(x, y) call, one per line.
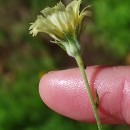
point(79, 61)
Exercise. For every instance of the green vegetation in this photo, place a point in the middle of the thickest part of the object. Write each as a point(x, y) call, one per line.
point(24, 59)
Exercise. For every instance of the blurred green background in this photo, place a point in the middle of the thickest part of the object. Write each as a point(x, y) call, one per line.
point(24, 59)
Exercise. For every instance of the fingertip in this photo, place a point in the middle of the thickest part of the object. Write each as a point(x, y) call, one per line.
point(64, 92)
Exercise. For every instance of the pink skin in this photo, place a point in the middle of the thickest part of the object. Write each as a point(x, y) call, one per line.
point(64, 92)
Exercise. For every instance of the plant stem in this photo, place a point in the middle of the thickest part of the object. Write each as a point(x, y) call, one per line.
point(79, 61)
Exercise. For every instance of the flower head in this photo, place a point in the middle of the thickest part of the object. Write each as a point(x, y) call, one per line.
point(60, 22)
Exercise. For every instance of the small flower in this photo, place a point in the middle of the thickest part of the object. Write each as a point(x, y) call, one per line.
point(61, 23)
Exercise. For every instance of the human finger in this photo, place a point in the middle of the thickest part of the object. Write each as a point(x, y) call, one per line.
point(64, 92)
